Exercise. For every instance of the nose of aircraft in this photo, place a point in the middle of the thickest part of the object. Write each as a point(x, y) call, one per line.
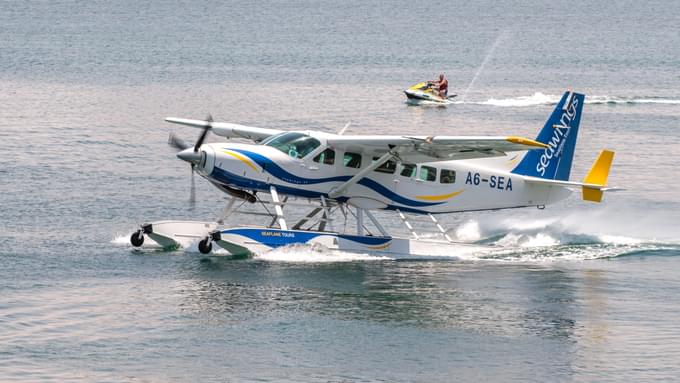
point(189, 155)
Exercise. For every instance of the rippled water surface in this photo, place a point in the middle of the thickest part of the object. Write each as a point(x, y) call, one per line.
point(575, 292)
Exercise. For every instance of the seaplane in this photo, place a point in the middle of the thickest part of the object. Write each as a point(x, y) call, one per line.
point(332, 177)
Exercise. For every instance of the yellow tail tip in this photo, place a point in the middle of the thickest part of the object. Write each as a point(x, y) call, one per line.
point(592, 195)
point(598, 176)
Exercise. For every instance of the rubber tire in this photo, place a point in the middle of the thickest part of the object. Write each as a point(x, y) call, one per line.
point(137, 238)
point(205, 246)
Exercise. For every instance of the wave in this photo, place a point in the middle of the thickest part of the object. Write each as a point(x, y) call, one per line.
point(576, 235)
point(539, 98)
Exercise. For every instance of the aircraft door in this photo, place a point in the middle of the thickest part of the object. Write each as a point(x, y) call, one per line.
point(403, 179)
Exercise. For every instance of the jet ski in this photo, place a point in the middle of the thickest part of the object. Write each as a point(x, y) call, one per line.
point(425, 91)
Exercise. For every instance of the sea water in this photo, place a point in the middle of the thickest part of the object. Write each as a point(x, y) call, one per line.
point(575, 292)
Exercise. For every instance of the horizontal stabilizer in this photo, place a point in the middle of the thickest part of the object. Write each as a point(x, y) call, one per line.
point(593, 185)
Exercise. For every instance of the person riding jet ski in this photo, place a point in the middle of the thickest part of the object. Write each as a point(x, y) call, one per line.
point(442, 86)
point(433, 91)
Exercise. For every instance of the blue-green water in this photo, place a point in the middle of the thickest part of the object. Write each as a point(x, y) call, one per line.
point(575, 292)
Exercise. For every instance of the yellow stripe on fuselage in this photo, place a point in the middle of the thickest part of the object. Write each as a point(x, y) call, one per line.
point(380, 247)
point(439, 197)
point(242, 158)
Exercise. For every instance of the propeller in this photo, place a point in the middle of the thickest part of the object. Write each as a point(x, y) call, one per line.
point(177, 142)
point(190, 154)
point(201, 138)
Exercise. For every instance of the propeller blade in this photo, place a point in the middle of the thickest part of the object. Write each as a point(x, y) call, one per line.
point(191, 156)
point(177, 142)
point(192, 194)
point(209, 120)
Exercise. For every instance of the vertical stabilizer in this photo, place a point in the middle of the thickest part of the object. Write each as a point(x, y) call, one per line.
point(559, 133)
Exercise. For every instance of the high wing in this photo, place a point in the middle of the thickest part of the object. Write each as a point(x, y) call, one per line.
point(228, 130)
point(435, 148)
point(408, 148)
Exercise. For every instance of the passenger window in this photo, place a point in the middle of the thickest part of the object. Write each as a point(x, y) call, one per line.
point(388, 167)
point(447, 176)
point(428, 173)
point(408, 170)
point(326, 157)
point(352, 160)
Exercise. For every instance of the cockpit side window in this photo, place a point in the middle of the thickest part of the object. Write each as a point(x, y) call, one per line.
point(296, 145)
point(352, 160)
point(387, 167)
point(326, 157)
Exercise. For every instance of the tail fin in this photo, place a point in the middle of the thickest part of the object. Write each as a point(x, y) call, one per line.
point(559, 133)
point(598, 176)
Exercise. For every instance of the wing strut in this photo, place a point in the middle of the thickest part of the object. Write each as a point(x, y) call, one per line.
point(336, 192)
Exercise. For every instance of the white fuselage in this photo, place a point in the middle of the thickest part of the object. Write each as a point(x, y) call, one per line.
point(431, 187)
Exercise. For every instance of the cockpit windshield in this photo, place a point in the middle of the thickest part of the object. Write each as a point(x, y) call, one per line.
point(296, 145)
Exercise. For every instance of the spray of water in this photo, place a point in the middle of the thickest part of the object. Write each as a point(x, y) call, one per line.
point(488, 56)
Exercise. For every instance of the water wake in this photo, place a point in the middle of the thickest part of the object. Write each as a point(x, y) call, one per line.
point(539, 98)
point(579, 235)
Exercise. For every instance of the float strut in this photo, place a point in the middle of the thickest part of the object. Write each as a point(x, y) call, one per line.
point(408, 224)
point(278, 208)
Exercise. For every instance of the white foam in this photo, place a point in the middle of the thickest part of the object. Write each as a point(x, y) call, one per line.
point(539, 98)
point(121, 239)
point(619, 240)
point(657, 101)
point(524, 240)
point(539, 240)
point(314, 254)
point(469, 231)
point(628, 100)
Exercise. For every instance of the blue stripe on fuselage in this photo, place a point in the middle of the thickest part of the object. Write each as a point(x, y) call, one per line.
point(275, 170)
point(228, 178)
